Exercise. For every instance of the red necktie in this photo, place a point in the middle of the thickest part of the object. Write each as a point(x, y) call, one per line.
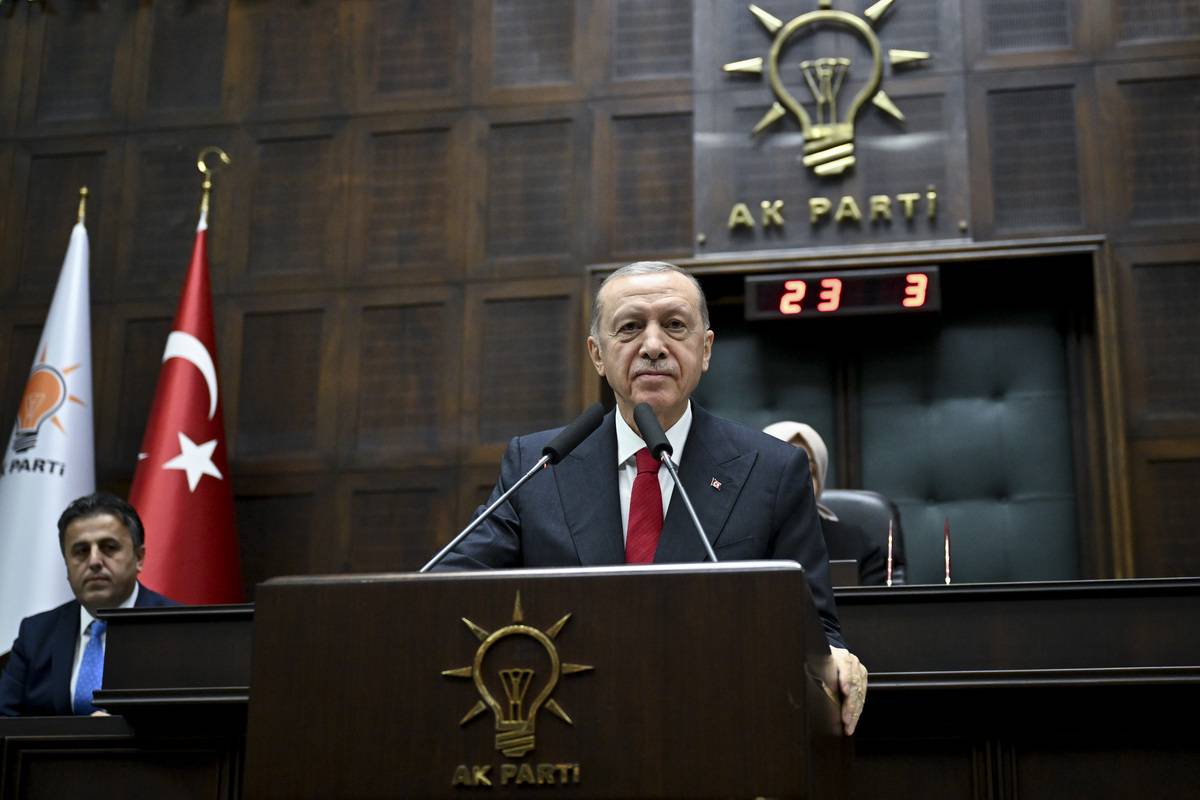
point(645, 511)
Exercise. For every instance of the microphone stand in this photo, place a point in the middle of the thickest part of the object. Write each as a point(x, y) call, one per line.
point(487, 512)
point(687, 502)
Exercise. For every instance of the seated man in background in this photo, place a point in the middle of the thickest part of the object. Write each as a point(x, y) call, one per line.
point(843, 539)
point(57, 660)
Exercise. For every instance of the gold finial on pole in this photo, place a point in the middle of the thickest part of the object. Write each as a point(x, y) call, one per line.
point(83, 193)
point(207, 171)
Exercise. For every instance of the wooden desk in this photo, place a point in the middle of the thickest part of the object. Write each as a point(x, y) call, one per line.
point(1027, 690)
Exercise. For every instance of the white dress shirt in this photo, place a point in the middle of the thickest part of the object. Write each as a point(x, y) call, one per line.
point(628, 443)
point(85, 619)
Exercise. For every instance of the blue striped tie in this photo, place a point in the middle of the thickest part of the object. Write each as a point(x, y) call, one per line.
point(91, 669)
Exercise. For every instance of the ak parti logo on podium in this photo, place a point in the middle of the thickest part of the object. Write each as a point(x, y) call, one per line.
point(515, 671)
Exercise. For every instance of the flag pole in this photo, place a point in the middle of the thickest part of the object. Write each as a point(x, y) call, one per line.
point(83, 195)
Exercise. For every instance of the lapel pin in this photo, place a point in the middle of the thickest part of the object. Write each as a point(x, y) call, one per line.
point(716, 484)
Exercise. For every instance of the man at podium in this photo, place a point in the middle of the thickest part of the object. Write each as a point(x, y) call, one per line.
point(609, 503)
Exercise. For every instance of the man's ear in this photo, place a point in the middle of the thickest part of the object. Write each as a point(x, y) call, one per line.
point(140, 554)
point(708, 342)
point(597, 357)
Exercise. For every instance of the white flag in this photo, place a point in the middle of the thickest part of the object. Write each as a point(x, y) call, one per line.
point(50, 459)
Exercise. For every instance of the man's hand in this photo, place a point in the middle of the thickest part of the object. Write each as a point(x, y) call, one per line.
point(852, 682)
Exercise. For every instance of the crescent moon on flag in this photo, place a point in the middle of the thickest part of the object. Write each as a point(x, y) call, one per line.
point(189, 348)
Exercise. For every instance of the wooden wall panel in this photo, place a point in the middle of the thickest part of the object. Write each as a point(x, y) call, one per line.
point(401, 373)
point(8, 244)
point(395, 518)
point(407, 53)
point(50, 176)
point(532, 42)
point(651, 160)
point(408, 201)
point(1034, 153)
point(1158, 288)
point(282, 410)
point(1160, 164)
point(1166, 505)
point(185, 66)
point(1026, 25)
point(12, 46)
point(1026, 33)
point(529, 190)
point(1165, 298)
point(280, 524)
point(297, 211)
point(651, 39)
point(82, 53)
point(162, 208)
point(522, 358)
point(125, 388)
point(291, 57)
point(1035, 161)
point(1150, 167)
point(1156, 20)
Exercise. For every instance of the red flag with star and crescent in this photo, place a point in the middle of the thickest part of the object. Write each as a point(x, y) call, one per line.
point(181, 486)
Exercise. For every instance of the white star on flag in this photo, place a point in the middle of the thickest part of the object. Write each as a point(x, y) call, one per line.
point(195, 460)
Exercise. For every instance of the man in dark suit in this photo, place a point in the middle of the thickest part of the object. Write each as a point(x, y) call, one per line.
point(651, 341)
point(50, 670)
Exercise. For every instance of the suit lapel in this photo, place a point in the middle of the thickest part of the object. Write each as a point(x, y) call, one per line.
point(587, 489)
point(66, 634)
point(708, 456)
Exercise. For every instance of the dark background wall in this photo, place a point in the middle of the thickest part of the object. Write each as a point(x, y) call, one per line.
point(399, 249)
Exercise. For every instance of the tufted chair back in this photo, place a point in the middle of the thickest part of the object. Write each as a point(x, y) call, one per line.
point(871, 512)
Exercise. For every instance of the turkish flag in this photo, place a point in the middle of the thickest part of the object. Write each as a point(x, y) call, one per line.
point(181, 485)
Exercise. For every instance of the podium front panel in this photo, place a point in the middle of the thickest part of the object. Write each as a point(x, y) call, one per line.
point(660, 681)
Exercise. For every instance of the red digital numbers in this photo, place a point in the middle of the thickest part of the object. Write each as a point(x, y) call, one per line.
point(794, 292)
point(790, 302)
point(831, 294)
point(914, 291)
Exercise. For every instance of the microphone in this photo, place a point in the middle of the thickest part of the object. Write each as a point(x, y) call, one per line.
point(660, 447)
point(570, 437)
point(558, 448)
point(652, 432)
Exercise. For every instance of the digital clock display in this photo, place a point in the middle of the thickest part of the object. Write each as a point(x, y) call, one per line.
point(808, 295)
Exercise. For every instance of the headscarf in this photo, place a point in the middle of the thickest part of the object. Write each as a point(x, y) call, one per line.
point(788, 429)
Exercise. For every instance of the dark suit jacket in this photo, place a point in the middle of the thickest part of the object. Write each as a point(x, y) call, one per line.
point(846, 540)
point(763, 509)
point(37, 680)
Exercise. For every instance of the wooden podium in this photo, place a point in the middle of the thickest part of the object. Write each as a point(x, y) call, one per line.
point(658, 681)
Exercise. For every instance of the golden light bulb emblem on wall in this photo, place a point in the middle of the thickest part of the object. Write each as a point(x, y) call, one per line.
point(828, 136)
point(516, 714)
point(45, 393)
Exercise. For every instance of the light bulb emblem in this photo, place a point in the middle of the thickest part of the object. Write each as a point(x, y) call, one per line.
point(44, 395)
point(829, 138)
point(516, 714)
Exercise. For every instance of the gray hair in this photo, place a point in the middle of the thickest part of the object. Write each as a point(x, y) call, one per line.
point(646, 268)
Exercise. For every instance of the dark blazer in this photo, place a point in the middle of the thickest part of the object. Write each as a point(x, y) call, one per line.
point(845, 540)
point(764, 507)
point(37, 680)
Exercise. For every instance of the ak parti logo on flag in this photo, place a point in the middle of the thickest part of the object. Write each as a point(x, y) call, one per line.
point(45, 394)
